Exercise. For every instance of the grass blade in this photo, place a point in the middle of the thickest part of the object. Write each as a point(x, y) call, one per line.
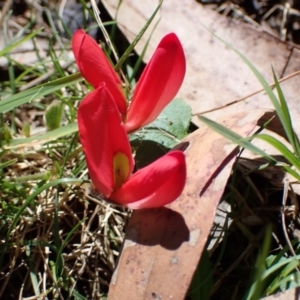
point(277, 105)
point(51, 135)
point(235, 138)
point(257, 286)
point(137, 38)
point(36, 92)
point(28, 201)
point(281, 148)
point(13, 45)
point(285, 110)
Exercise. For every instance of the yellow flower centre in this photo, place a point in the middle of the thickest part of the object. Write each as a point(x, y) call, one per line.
point(121, 168)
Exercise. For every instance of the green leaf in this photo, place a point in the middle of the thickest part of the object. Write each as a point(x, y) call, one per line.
point(147, 152)
point(26, 129)
point(169, 128)
point(175, 119)
point(5, 135)
point(53, 115)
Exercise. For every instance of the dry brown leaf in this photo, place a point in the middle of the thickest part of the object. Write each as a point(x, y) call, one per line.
point(163, 246)
point(215, 75)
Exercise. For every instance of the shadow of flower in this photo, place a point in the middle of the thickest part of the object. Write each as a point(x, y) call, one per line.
point(161, 226)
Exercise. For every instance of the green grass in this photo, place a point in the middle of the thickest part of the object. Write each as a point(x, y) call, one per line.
point(276, 259)
point(55, 240)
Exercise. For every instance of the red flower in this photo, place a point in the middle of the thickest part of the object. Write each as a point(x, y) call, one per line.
point(158, 85)
point(110, 163)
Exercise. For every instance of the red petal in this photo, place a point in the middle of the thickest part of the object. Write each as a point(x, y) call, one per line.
point(91, 60)
point(103, 136)
point(96, 68)
point(156, 185)
point(158, 84)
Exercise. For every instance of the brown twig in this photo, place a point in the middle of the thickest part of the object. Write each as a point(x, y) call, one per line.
point(248, 96)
